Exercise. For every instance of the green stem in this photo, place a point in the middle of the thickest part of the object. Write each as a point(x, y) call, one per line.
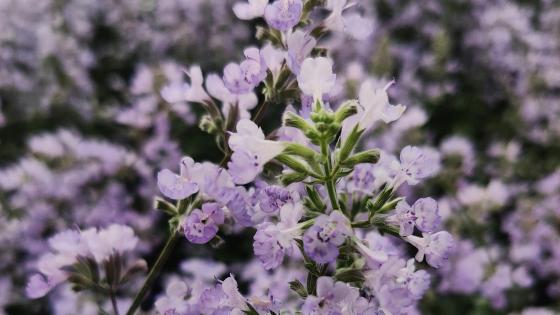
point(114, 303)
point(162, 259)
point(331, 189)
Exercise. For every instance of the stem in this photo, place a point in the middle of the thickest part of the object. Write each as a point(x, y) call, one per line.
point(162, 259)
point(260, 112)
point(114, 303)
point(326, 151)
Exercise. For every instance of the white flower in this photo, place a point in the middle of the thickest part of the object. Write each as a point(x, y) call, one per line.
point(217, 89)
point(273, 58)
point(316, 77)
point(353, 24)
point(251, 138)
point(251, 10)
point(179, 91)
point(114, 239)
point(235, 299)
point(374, 106)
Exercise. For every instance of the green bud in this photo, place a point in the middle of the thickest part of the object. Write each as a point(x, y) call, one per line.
point(209, 125)
point(369, 156)
point(315, 198)
point(349, 275)
point(346, 110)
point(165, 206)
point(293, 163)
point(306, 153)
point(289, 178)
point(293, 120)
point(350, 143)
point(380, 200)
point(298, 288)
point(390, 205)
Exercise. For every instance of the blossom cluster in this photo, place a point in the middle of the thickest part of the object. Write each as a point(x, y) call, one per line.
point(284, 175)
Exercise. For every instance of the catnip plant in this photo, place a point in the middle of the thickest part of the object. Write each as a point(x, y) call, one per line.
point(316, 199)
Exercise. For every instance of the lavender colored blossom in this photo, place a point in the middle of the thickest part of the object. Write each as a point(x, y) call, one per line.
point(300, 45)
point(202, 225)
point(273, 241)
point(243, 78)
point(273, 198)
point(321, 240)
point(250, 10)
point(416, 164)
point(436, 247)
point(178, 186)
point(316, 77)
point(423, 214)
point(283, 14)
point(250, 151)
point(330, 294)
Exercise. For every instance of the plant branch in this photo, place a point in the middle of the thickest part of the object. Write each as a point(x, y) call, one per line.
point(160, 262)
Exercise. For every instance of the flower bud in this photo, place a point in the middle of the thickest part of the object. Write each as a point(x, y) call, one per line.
point(369, 156)
point(293, 120)
point(208, 125)
point(289, 178)
point(346, 110)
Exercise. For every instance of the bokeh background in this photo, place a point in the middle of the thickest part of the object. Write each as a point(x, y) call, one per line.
point(84, 128)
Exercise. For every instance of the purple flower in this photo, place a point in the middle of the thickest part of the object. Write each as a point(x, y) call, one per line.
point(417, 282)
point(239, 205)
point(330, 294)
point(273, 241)
point(243, 78)
point(254, 67)
point(436, 247)
point(202, 225)
point(250, 151)
point(321, 241)
point(416, 164)
point(272, 198)
point(38, 286)
point(234, 79)
point(283, 14)
point(423, 214)
point(175, 186)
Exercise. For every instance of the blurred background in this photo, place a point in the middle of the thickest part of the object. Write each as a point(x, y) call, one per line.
point(84, 127)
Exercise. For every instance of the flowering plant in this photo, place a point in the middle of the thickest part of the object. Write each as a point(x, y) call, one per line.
point(316, 203)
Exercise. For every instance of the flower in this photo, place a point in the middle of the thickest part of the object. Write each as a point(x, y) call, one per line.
point(354, 24)
point(179, 91)
point(283, 14)
point(415, 164)
point(250, 151)
point(300, 45)
point(316, 77)
point(234, 298)
point(273, 58)
point(321, 240)
point(273, 198)
point(423, 214)
point(116, 239)
point(202, 225)
point(174, 300)
point(330, 294)
point(251, 10)
point(68, 245)
point(245, 102)
point(273, 241)
point(175, 186)
point(374, 106)
point(436, 247)
point(243, 78)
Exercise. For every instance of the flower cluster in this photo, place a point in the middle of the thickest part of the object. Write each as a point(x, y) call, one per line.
point(289, 180)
